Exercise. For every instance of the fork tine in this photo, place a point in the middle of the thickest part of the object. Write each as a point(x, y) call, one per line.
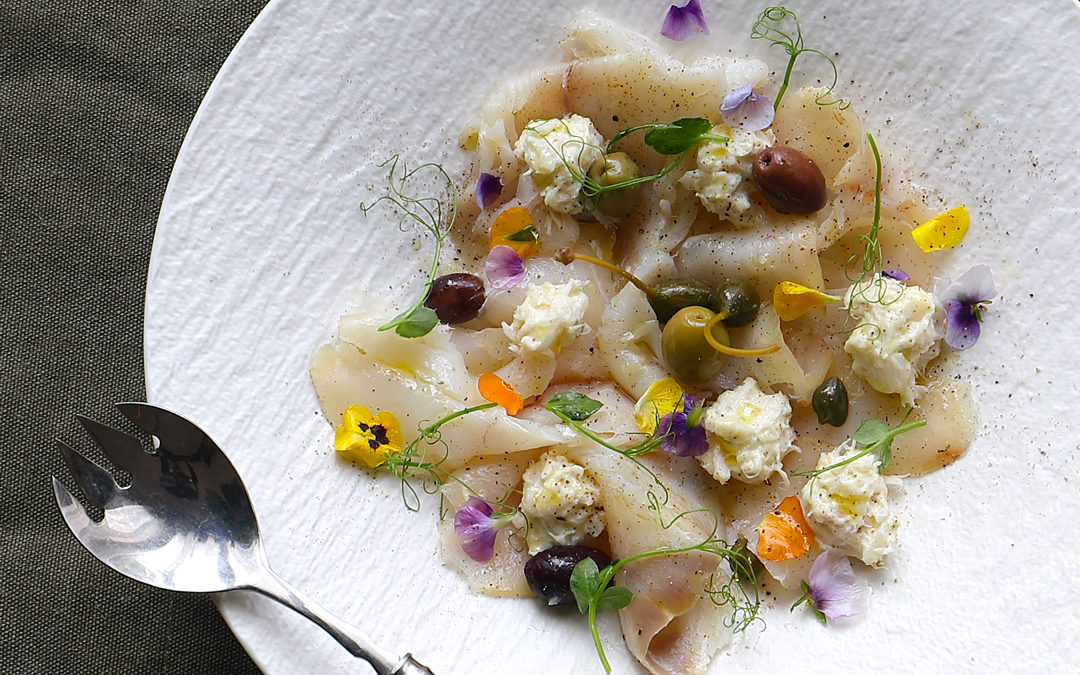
point(96, 483)
point(122, 449)
point(74, 514)
point(169, 427)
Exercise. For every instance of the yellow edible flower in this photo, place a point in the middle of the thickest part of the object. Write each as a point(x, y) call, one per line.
point(367, 439)
point(944, 230)
point(792, 300)
point(663, 397)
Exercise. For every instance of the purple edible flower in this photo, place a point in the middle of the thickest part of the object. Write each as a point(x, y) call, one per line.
point(832, 589)
point(488, 189)
point(682, 430)
point(896, 273)
point(964, 301)
point(744, 109)
point(504, 268)
point(476, 528)
point(680, 20)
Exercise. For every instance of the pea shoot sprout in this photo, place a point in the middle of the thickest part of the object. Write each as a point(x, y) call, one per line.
point(771, 26)
point(876, 438)
point(676, 138)
point(418, 320)
point(594, 593)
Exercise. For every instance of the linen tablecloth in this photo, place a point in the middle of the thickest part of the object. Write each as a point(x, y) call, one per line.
point(96, 97)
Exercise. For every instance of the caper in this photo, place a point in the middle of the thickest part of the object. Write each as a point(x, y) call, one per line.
point(790, 180)
point(830, 402)
point(737, 301)
point(686, 352)
point(668, 297)
point(548, 572)
point(456, 298)
point(616, 168)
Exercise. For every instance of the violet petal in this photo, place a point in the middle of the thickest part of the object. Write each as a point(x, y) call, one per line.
point(744, 109)
point(736, 98)
point(680, 20)
point(961, 300)
point(961, 325)
point(476, 529)
point(680, 438)
point(504, 268)
point(835, 589)
point(896, 273)
point(488, 189)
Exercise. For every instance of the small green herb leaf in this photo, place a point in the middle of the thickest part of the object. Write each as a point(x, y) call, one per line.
point(415, 322)
point(526, 234)
point(573, 405)
point(871, 431)
point(584, 579)
point(614, 597)
point(679, 136)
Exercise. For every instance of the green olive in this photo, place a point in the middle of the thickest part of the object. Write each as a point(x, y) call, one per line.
point(617, 167)
point(668, 297)
point(830, 402)
point(686, 352)
point(737, 300)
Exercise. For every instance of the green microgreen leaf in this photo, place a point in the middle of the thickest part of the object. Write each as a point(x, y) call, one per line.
point(614, 597)
point(576, 406)
point(679, 136)
point(584, 579)
point(871, 431)
point(875, 437)
point(416, 321)
point(526, 234)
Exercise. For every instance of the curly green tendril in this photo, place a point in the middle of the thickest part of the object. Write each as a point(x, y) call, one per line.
point(780, 26)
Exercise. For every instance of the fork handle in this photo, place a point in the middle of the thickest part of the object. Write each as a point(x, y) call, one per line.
point(350, 637)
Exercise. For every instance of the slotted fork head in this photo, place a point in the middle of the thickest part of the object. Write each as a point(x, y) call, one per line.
point(184, 522)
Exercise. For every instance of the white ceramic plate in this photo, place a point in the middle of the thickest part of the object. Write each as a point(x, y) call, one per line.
point(261, 238)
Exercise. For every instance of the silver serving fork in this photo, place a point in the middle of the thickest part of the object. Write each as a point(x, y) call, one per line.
point(185, 523)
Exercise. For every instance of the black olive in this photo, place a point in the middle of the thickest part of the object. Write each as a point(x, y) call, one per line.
point(737, 301)
point(668, 297)
point(830, 402)
point(456, 298)
point(548, 572)
point(790, 180)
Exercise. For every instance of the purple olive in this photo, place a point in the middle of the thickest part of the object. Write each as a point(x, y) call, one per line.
point(790, 180)
point(456, 298)
point(548, 572)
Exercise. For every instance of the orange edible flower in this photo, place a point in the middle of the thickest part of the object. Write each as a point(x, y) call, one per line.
point(495, 389)
point(783, 533)
point(514, 227)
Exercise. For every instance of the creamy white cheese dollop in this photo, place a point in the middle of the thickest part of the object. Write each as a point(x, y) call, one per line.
point(547, 146)
point(896, 334)
point(723, 179)
point(848, 506)
point(749, 434)
point(561, 503)
point(550, 316)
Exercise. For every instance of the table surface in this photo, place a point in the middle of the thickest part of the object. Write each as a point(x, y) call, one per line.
point(95, 101)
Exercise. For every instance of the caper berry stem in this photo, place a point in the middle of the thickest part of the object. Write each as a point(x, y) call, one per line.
point(570, 256)
point(728, 349)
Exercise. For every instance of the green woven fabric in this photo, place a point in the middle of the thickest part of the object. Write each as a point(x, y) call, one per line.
point(96, 96)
